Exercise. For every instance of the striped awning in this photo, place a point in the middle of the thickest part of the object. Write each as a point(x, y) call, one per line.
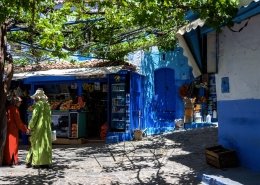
point(246, 2)
point(186, 50)
point(200, 23)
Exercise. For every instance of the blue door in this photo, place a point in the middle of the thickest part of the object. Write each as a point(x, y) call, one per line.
point(165, 94)
point(136, 90)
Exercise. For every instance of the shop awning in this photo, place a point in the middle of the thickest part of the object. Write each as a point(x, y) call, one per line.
point(77, 72)
point(247, 9)
point(246, 2)
point(186, 50)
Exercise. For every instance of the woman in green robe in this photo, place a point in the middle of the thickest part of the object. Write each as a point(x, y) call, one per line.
point(40, 152)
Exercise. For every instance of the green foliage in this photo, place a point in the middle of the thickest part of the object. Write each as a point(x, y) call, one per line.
point(21, 62)
point(216, 13)
point(73, 61)
point(115, 28)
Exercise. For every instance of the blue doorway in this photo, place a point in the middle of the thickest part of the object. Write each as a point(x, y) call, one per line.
point(165, 94)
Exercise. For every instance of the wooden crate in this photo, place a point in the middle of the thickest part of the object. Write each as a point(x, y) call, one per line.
point(220, 157)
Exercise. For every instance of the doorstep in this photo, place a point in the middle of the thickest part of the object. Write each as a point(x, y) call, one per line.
point(69, 141)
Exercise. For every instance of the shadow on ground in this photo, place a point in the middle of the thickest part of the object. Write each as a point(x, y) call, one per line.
point(39, 176)
point(174, 158)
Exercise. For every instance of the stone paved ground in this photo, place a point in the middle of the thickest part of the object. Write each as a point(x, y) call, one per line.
point(174, 158)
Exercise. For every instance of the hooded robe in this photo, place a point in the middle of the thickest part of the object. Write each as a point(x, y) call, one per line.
point(40, 152)
point(14, 124)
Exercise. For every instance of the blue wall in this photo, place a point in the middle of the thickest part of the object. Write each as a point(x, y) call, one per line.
point(239, 129)
point(152, 61)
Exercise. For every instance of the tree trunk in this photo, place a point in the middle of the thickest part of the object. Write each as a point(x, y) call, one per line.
point(6, 75)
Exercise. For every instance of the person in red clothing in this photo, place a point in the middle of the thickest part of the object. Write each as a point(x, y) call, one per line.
point(14, 124)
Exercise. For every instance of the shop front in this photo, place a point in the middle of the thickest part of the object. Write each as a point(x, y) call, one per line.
point(125, 105)
point(83, 102)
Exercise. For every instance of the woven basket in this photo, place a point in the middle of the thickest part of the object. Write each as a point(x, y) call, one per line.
point(138, 134)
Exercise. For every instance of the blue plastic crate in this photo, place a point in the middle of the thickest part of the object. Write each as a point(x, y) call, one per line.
point(112, 139)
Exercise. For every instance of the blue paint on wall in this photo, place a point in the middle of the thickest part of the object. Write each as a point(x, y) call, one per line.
point(239, 126)
point(48, 79)
point(136, 88)
point(164, 83)
point(225, 85)
point(151, 62)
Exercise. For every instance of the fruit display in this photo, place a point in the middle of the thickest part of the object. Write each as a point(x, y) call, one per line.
point(66, 105)
point(69, 105)
point(55, 105)
point(75, 106)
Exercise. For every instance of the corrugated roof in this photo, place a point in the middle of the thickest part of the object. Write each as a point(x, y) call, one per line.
point(191, 26)
point(244, 6)
point(245, 3)
point(247, 9)
point(200, 23)
point(182, 43)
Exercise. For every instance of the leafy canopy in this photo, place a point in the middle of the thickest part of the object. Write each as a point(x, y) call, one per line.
point(104, 28)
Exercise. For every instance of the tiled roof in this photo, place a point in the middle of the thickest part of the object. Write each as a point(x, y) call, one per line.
point(90, 69)
point(44, 66)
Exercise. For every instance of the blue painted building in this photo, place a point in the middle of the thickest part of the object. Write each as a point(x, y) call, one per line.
point(104, 91)
point(154, 94)
point(164, 74)
point(233, 57)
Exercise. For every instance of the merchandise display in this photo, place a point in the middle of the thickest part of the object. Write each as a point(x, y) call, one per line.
point(65, 121)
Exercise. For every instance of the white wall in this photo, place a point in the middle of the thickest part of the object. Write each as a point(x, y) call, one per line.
point(239, 59)
point(211, 52)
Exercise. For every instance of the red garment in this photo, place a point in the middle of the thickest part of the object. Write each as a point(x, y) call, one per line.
point(14, 124)
point(103, 131)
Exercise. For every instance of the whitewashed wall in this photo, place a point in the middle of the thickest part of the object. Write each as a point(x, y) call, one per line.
point(239, 59)
point(238, 110)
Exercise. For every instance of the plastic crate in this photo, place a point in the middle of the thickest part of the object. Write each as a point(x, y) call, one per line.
point(112, 139)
